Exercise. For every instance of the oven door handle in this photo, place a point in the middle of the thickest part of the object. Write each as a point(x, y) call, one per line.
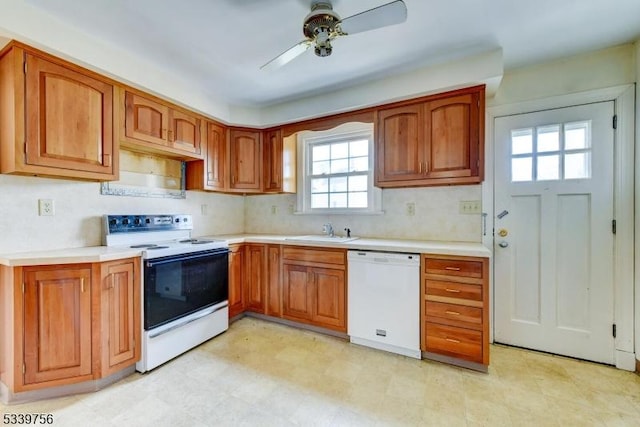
point(204, 313)
point(186, 257)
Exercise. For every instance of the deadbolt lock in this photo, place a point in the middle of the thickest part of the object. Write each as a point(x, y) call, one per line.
point(503, 232)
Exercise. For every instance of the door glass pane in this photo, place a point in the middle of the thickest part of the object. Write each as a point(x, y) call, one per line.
point(577, 165)
point(320, 152)
point(521, 141)
point(358, 200)
point(521, 169)
point(576, 135)
point(548, 167)
point(338, 200)
point(320, 200)
point(548, 138)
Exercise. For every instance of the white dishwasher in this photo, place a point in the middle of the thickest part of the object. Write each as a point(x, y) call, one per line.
point(384, 301)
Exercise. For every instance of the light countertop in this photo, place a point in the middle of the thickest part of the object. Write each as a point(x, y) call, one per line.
point(104, 253)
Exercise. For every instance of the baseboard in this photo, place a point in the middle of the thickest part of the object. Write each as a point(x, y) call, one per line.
point(626, 361)
point(457, 362)
point(296, 324)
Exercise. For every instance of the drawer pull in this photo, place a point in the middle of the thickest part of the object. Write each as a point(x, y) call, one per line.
point(452, 268)
point(455, 313)
point(455, 291)
point(453, 340)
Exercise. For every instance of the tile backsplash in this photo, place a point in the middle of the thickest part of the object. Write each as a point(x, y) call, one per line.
point(79, 207)
point(436, 216)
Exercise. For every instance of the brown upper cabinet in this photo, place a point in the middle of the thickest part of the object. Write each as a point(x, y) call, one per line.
point(210, 173)
point(279, 162)
point(156, 126)
point(56, 119)
point(437, 141)
point(245, 160)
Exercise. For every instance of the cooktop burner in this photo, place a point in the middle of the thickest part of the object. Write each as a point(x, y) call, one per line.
point(144, 245)
point(195, 241)
point(154, 247)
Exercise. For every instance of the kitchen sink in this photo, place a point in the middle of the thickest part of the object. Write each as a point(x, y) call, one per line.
point(321, 238)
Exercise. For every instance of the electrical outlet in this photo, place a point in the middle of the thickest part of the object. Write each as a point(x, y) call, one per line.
point(274, 209)
point(411, 209)
point(470, 207)
point(203, 209)
point(46, 207)
point(291, 208)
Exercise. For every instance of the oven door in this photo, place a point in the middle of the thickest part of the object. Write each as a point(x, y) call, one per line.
point(178, 285)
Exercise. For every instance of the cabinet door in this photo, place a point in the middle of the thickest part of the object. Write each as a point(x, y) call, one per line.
point(329, 298)
point(400, 149)
point(255, 286)
point(245, 160)
point(272, 146)
point(146, 120)
point(236, 277)
point(452, 136)
point(57, 324)
point(297, 292)
point(274, 288)
point(120, 313)
point(69, 119)
point(184, 131)
point(216, 156)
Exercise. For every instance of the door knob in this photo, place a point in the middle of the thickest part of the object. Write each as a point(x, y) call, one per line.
point(503, 244)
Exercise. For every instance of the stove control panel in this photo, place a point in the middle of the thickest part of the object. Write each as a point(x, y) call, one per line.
point(134, 223)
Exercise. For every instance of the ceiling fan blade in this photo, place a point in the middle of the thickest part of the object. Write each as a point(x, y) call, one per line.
point(378, 17)
point(288, 55)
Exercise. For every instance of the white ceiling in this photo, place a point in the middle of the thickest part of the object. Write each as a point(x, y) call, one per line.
point(219, 45)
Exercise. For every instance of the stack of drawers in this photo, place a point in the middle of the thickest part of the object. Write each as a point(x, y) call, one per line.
point(455, 310)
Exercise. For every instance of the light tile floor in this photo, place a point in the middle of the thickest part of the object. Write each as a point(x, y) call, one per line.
point(264, 374)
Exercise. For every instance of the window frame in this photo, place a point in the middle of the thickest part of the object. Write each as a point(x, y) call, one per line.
point(342, 133)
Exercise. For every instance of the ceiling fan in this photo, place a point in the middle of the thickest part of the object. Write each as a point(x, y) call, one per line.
point(322, 25)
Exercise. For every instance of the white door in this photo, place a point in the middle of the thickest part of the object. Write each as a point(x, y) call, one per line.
point(553, 231)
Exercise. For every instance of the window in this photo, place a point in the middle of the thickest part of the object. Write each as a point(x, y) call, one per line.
point(337, 170)
point(551, 152)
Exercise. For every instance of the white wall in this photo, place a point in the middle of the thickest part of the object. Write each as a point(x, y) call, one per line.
point(637, 204)
point(79, 207)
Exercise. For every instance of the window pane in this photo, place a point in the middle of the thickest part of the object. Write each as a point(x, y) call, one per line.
point(577, 166)
point(320, 168)
point(340, 151)
point(319, 185)
point(575, 136)
point(359, 164)
point(521, 169)
point(338, 184)
point(548, 167)
point(359, 148)
point(338, 200)
point(320, 152)
point(340, 166)
point(358, 183)
point(521, 141)
point(548, 138)
point(358, 200)
point(319, 200)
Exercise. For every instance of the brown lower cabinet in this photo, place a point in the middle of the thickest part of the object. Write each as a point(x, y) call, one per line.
point(236, 279)
point(455, 308)
point(64, 324)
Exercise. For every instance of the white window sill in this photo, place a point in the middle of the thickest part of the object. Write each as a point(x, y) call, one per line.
point(338, 212)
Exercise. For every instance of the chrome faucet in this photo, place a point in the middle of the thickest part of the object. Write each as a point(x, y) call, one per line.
point(328, 229)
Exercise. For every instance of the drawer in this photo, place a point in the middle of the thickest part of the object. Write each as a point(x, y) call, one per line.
point(453, 267)
point(458, 313)
point(454, 342)
point(453, 290)
point(325, 256)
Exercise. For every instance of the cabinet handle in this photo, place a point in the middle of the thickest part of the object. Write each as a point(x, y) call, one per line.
point(455, 291)
point(454, 313)
point(170, 135)
point(420, 168)
point(452, 340)
point(164, 134)
point(82, 284)
point(452, 268)
point(111, 285)
point(106, 160)
point(233, 179)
